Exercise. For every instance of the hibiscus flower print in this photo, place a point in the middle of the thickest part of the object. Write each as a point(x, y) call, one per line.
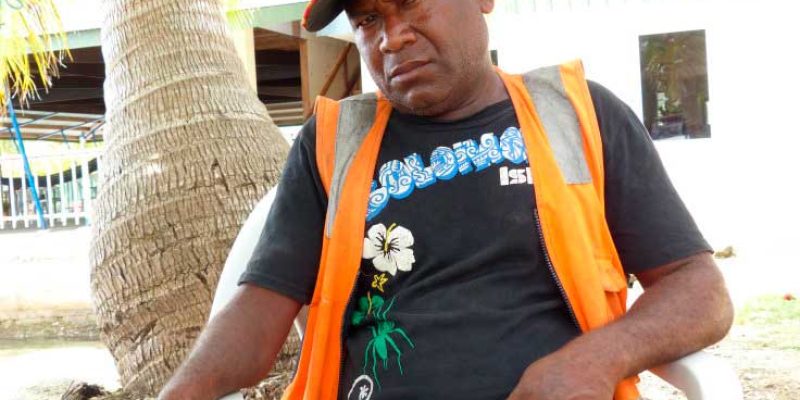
point(389, 249)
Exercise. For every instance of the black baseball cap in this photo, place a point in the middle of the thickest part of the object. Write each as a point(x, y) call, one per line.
point(320, 13)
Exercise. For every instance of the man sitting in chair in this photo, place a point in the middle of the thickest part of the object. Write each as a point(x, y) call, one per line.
point(464, 234)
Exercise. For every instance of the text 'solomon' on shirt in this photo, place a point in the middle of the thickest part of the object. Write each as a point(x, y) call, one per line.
point(454, 298)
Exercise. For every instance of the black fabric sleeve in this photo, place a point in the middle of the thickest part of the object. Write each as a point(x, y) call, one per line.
point(649, 222)
point(286, 258)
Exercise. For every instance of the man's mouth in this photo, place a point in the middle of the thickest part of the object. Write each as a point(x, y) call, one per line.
point(406, 68)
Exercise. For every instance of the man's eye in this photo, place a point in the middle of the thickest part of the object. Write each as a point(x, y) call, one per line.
point(410, 2)
point(367, 21)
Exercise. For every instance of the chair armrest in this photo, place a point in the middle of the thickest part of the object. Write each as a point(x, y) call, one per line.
point(233, 396)
point(702, 376)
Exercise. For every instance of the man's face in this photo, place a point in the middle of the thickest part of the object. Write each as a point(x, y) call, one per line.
point(424, 55)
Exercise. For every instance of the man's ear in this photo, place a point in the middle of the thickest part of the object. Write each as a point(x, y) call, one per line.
point(487, 6)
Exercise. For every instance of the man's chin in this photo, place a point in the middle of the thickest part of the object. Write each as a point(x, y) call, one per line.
point(421, 104)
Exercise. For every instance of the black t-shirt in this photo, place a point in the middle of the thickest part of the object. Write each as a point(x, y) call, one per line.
point(454, 298)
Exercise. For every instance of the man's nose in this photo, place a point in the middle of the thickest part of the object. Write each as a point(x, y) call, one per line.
point(397, 33)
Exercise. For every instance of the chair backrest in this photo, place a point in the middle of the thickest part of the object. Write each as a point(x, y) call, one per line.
point(239, 256)
point(241, 251)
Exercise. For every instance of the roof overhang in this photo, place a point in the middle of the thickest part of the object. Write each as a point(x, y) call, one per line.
point(82, 24)
point(53, 126)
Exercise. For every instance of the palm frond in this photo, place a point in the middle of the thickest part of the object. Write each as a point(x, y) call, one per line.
point(27, 31)
point(237, 19)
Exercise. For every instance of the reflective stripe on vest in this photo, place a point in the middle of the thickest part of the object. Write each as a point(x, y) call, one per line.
point(559, 121)
point(560, 130)
point(356, 117)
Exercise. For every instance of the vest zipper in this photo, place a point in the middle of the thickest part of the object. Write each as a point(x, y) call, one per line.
point(553, 270)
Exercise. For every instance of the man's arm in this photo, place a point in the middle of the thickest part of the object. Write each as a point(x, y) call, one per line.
point(685, 308)
point(237, 348)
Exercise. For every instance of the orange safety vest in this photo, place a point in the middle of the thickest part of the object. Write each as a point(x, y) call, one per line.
point(565, 152)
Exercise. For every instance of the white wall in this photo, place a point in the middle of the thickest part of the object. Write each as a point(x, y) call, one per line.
point(741, 183)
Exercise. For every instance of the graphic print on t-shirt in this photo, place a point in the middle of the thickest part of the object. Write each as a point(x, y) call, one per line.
point(362, 389)
point(389, 249)
point(398, 179)
point(390, 252)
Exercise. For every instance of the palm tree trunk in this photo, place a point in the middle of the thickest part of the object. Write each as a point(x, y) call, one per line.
point(189, 151)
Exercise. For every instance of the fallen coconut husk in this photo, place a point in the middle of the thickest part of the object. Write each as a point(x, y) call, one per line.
point(83, 391)
point(269, 389)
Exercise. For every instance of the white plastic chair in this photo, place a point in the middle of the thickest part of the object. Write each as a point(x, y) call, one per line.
point(700, 376)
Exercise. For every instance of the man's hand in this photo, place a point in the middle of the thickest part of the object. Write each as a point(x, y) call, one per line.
point(564, 376)
point(685, 308)
point(237, 348)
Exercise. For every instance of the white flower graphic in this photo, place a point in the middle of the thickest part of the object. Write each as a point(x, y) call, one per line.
point(389, 249)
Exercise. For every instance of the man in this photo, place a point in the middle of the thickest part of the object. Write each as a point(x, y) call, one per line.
point(467, 286)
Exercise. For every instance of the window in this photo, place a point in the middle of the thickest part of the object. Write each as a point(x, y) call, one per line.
point(675, 84)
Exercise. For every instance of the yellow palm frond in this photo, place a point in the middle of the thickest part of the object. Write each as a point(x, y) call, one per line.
point(27, 28)
point(237, 19)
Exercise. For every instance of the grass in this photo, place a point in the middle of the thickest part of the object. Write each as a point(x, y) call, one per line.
point(769, 310)
point(776, 320)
